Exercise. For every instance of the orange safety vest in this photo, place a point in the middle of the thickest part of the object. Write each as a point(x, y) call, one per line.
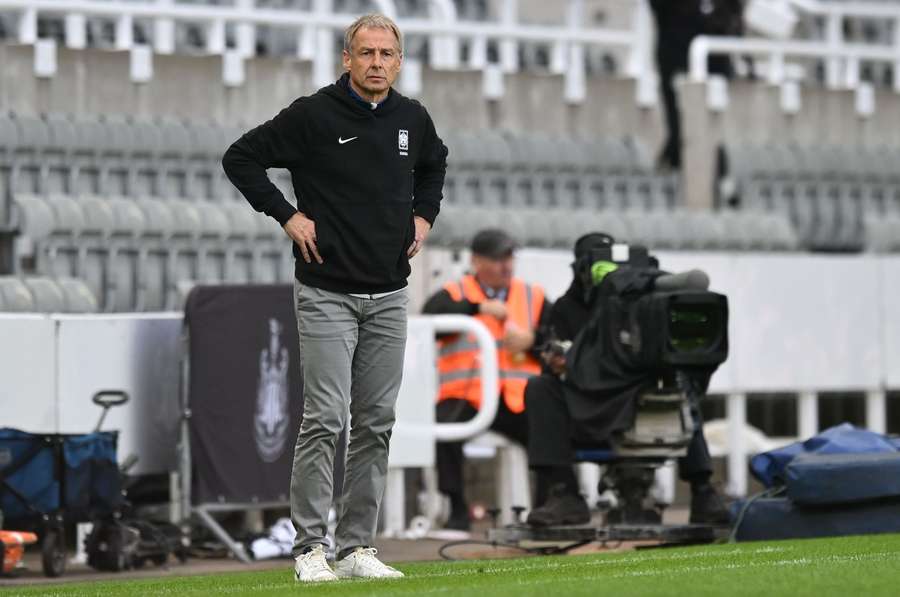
point(458, 355)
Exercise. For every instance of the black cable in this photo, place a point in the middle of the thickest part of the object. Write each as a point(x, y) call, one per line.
point(771, 492)
point(531, 551)
point(474, 542)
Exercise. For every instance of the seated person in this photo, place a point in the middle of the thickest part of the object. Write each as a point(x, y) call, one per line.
point(512, 311)
point(553, 417)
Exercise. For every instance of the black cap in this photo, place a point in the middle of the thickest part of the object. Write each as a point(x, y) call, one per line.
point(592, 240)
point(493, 243)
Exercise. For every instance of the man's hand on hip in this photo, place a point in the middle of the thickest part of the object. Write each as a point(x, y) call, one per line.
point(302, 231)
point(422, 230)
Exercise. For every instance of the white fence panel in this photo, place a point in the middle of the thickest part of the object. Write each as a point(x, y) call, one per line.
point(27, 373)
point(889, 307)
point(135, 353)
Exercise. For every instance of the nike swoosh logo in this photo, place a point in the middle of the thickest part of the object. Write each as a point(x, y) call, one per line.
point(342, 141)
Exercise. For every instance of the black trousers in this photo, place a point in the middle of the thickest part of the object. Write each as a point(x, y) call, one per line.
point(449, 455)
point(550, 439)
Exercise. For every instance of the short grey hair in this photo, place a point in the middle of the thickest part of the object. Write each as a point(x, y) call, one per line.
point(372, 21)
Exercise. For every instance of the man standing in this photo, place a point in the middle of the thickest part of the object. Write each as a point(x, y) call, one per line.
point(368, 170)
point(512, 310)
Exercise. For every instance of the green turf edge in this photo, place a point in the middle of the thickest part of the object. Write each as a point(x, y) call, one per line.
point(848, 566)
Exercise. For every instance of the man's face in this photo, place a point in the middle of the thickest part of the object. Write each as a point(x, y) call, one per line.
point(494, 273)
point(373, 62)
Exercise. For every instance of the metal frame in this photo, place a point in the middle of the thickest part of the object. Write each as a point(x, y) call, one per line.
point(442, 431)
point(315, 30)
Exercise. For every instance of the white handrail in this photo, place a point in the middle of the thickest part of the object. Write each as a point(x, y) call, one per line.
point(297, 18)
point(490, 385)
point(834, 49)
point(704, 45)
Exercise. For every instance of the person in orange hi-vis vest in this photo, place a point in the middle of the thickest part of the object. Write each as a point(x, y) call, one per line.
point(513, 311)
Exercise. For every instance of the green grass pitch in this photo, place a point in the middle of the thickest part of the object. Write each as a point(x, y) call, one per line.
point(847, 566)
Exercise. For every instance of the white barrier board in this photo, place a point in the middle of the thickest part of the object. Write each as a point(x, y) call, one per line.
point(28, 373)
point(412, 445)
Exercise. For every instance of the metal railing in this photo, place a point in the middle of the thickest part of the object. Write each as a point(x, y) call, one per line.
point(316, 28)
point(841, 57)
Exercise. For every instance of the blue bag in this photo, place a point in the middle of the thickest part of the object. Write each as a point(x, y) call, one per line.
point(769, 467)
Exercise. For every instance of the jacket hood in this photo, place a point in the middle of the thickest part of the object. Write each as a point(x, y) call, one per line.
point(340, 91)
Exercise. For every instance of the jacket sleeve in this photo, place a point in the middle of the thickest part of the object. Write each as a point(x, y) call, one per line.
point(542, 334)
point(559, 320)
point(430, 170)
point(441, 303)
point(276, 143)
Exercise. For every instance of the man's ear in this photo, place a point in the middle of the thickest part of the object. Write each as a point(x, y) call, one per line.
point(345, 59)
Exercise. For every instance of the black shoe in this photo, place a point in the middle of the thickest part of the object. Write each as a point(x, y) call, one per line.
point(707, 506)
point(562, 507)
point(458, 521)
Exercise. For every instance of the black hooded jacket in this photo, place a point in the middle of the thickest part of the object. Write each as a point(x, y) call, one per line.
point(360, 174)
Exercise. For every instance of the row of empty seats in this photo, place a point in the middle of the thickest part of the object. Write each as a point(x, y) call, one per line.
point(45, 295)
point(677, 229)
point(503, 169)
point(830, 194)
point(112, 156)
point(117, 157)
point(141, 254)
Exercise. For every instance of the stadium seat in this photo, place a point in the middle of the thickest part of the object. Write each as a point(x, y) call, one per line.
point(156, 253)
point(124, 261)
point(15, 297)
point(240, 256)
point(77, 295)
point(47, 295)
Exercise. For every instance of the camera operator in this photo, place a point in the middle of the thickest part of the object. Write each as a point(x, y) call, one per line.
point(556, 412)
point(512, 310)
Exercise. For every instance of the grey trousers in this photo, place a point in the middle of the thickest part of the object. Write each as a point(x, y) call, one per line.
point(351, 356)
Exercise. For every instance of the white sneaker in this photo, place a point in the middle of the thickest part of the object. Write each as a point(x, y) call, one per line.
point(312, 566)
point(362, 563)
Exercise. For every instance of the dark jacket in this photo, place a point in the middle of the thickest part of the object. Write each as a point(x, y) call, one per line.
point(359, 174)
point(608, 405)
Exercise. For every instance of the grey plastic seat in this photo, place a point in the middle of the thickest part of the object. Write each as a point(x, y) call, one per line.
point(207, 143)
point(215, 229)
point(186, 247)
point(240, 257)
point(665, 229)
point(78, 297)
point(734, 234)
point(15, 297)
point(47, 295)
point(175, 171)
point(33, 216)
point(124, 263)
point(156, 249)
point(146, 173)
point(780, 233)
point(703, 231)
point(29, 171)
point(118, 173)
point(57, 155)
point(882, 234)
point(95, 249)
point(88, 167)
